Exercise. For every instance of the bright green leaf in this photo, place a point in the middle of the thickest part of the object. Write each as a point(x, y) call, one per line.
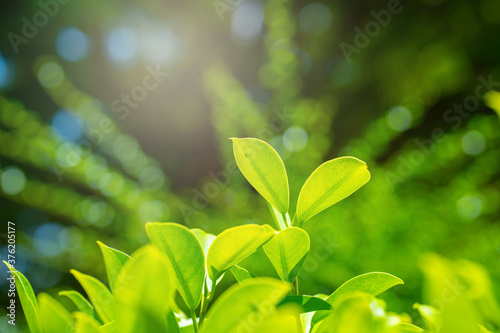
point(204, 238)
point(331, 182)
point(86, 323)
point(185, 255)
point(354, 313)
point(28, 300)
point(172, 324)
point(244, 306)
point(241, 274)
point(144, 292)
point(286, 250)
point(370, 283)
point(235, 244)
point(430, 315)
point(307, 303)
point(263, 168)
point(114, 261)
point(81, 302)
point(99, 295)
point(53, 316)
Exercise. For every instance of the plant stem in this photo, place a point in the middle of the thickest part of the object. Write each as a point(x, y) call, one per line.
point(195, 323)
point(207, 301)
point(285, 220)
point(295, 288)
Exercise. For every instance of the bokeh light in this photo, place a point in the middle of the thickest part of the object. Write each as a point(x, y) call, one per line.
point(67, 126)
point(72, 44)
point(13, 180)
point(122, 46)
point(399, 118)
point(473, 143)
point(315, 19)
point(247, 22)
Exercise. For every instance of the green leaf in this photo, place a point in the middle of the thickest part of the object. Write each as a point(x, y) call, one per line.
point(430, 315)
point(370, 283)
point(331, 182)
point(81, 302)
point(235, 244)
point(204, 238)
point(172, 324)
point(99, 295)
point(144, 292)
point(114, 261)
point(27, 298)
point(263, 168)
point(307, 303)
point(484, 329)
point(86, 323)
point(356, 312)
point(185, 255)
point(286, 250)
point(243, 306)
point(241, 274)
point(53, 316)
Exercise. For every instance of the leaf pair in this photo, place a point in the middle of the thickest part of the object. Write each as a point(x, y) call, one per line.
point(328, 184)
point(186, 256)
point(370, 283)
point(250, 307)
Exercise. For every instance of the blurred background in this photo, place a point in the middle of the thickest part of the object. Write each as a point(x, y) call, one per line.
point(116, 113)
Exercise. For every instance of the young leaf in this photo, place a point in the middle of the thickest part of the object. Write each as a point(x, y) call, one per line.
point(307, 303)
point(263, 168)
point(53, 316)
point(331, 182)
point(27, 298)
point(235, 244)
point(81, 302)
point(99, 295)
point(241, 274)
point(86, 324)
point(430, 315)
point(114, 261)
point(286, 250)
point(185, 255)
point(356, 312)
point(369, 283)
point(204, 238)
point(144, 292)
point(243, 306)
point(172, 324)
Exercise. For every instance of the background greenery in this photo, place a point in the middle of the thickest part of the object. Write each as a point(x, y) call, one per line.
point(75, 169)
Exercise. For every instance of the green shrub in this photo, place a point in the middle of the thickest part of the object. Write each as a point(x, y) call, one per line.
point(140, 295)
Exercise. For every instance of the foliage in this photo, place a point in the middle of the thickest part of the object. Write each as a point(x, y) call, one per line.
point(141, 294)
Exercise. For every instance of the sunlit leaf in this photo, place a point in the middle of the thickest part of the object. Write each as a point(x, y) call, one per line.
point(53, 316)
point(144, 292)
point(430, 315)
point(241, 274)
point(244, 306)
point(286, 250)
point(331, 182)
point(81, 302)
point(370, 283)
point(307, 303)
point(263, 168)
point(184, 253)
point(235, 244)
point(86, 324)
point(172, 324)
point(355, 313)
point(27, 298)
point(99, 295)
point(114, 261)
